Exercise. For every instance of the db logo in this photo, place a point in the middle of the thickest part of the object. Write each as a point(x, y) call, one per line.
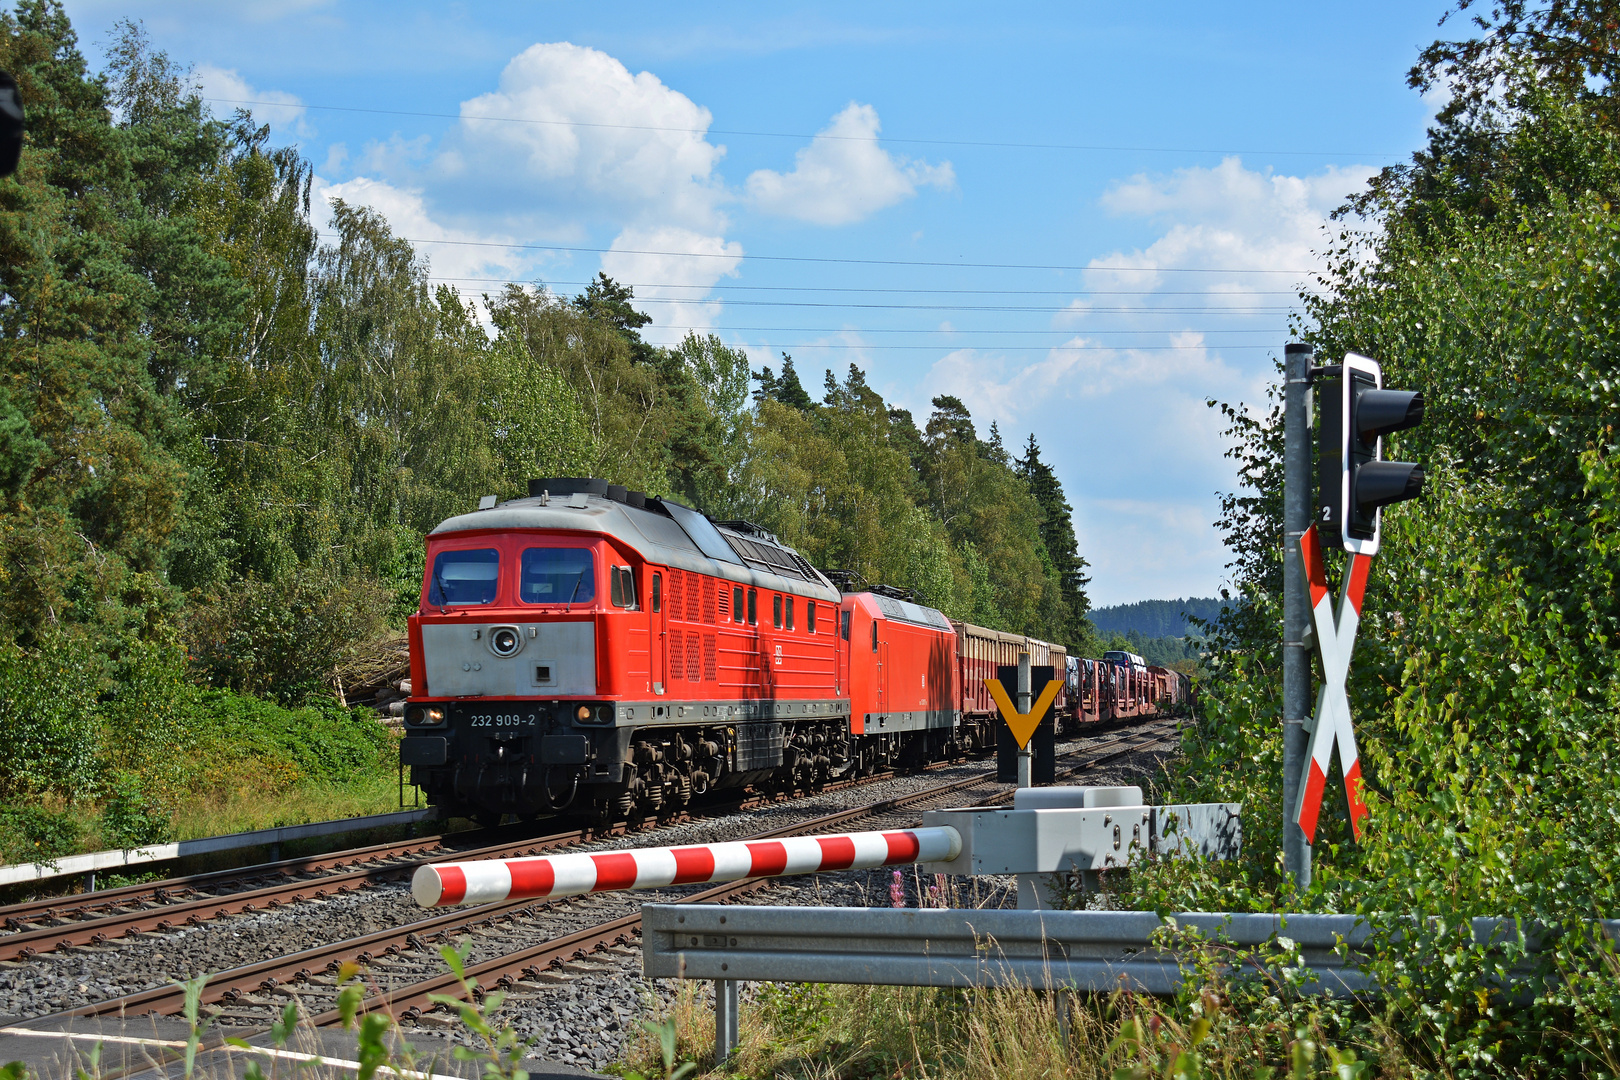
point(779, 656)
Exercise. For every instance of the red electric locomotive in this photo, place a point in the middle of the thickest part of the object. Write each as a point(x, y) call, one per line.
point(588, 647)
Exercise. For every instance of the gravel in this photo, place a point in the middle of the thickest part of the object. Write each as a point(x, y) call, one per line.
point(584, 1018)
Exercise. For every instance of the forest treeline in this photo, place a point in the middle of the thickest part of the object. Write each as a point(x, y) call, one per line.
point(1486, 680)
point(225, 426)
point(1159, 618)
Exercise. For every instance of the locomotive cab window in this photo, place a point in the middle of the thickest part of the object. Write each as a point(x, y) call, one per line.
point(658, 592)
point(776, 611)
point(622, 590)
point(844, 621)
point(736, 603)
point(874, 635)
point(788, 618)
point(464, 577)
point(557, 576)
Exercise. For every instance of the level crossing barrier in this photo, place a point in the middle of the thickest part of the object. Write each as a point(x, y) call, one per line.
point(1079, 830)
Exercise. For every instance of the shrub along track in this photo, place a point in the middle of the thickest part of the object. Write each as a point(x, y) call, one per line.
point(401, 962)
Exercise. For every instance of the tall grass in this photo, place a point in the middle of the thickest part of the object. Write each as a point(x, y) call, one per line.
point(816, 1032)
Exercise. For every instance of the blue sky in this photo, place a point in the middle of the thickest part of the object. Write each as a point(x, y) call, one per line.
point(1083, 219)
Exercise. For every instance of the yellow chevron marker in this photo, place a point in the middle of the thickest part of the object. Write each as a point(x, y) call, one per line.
point(1023, 725)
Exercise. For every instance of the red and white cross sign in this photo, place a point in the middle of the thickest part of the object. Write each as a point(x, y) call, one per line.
point(1335, 638)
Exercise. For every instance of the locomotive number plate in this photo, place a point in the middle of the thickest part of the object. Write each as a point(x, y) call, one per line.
point(506, 717)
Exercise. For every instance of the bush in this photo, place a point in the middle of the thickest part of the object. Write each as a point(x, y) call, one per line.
point(286, 639)
point(49, 720)
point(35, 834)
point(132, 818)
point(321, 741)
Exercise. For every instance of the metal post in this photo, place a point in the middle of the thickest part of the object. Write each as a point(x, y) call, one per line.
point(1026, 755)
point(1296, 661)
point(726, 1007)
point(90, 882)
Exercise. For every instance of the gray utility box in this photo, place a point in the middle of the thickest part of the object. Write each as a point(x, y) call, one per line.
point(1067, 830)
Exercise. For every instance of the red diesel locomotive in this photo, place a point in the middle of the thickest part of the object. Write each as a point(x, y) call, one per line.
point(589, 647)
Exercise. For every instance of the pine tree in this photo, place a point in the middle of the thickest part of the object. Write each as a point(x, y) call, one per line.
point(1057, 533)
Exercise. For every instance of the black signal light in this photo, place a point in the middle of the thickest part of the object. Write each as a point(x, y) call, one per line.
point(1356, 413)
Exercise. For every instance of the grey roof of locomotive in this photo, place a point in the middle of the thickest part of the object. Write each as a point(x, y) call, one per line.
point(659, 537)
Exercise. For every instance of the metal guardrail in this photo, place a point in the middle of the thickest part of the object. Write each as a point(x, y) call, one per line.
point(1087, 951)
point(70, 865)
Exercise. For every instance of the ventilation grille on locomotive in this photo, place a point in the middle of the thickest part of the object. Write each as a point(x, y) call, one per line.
point(771, 558)
point(912, 613)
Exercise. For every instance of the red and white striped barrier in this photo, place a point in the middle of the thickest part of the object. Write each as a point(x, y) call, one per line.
point(549, 876)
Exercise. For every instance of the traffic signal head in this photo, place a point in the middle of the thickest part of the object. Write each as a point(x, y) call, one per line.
point(1356, 413)
point(11, 124)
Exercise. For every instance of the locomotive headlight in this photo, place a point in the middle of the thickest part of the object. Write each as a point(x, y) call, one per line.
point(505, 640)
point(584, 712)
point(424, 715)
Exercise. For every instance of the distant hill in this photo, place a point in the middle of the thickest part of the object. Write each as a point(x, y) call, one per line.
point(1155, 618)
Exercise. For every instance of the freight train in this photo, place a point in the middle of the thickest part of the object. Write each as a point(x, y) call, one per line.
point(594, 650)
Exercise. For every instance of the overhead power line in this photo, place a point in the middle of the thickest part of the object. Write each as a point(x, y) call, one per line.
point(1047, 310)
point(730, 287)
point(999, 333)
point(706, 131)
point(849, 262)
point(999, 348)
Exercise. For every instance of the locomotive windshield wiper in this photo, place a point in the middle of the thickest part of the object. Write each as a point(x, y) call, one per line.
point(578, 581)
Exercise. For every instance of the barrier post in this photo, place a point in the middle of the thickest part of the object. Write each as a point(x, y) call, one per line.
point(1296, 658)
point(1026, 753)
point(727, 1004)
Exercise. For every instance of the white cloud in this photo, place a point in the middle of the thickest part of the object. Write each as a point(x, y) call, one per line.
point(468, 253)
point(226, 91)
point(844, 176)
point(1227, 218)
point(1081, 368)
point(579, 133)
point(681, 280)
point(1142, 550)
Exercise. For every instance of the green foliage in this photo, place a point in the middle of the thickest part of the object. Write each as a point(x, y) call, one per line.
point(502, 1049)
point(32, 833)
point(131, 818)
point(665, 1032)
point(49, 729)
point(288, 638)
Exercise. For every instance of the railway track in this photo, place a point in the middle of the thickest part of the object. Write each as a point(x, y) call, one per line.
point(63, 922)
point(57, 922)
point(401, 962)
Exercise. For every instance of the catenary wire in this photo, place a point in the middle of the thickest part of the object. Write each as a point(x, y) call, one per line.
point(954, 330)
point(513, 245)
point(852, 289)
point(996, 348)
point(985, 144)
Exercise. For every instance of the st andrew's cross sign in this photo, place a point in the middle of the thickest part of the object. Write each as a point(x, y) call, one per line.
point(1335, 639)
